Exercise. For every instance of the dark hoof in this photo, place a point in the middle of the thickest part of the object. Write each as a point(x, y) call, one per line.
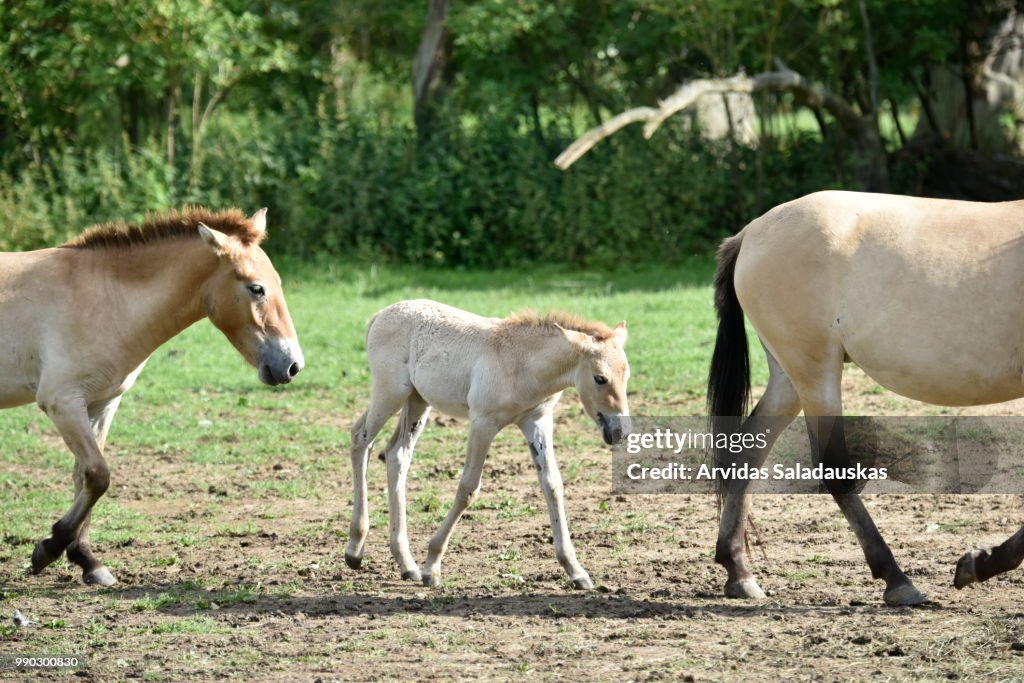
point(431, 580)
point(412, 575)
point(583, 584)
point(965, 570)
point(353, 562)
point(100, 576)
point(42, 558)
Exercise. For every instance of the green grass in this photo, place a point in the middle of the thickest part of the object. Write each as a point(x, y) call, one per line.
point(199, 415)
point(199, 405)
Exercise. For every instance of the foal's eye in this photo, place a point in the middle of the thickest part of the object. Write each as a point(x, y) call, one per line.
point(600, 379)
point(258, 291)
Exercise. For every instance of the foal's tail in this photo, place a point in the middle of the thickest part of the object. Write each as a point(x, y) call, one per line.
point(729, 377)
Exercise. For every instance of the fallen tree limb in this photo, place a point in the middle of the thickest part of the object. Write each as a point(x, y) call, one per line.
point(783, 79)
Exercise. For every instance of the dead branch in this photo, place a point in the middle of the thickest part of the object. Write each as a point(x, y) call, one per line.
point(783, 79)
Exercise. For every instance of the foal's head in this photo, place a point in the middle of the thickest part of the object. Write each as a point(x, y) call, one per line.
point(601, 377)
point(245, 301)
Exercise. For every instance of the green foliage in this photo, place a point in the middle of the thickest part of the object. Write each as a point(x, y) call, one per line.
point(114, 108)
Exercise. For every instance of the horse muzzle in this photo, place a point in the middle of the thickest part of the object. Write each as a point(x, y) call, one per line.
point(612, 427)
point(280, 361)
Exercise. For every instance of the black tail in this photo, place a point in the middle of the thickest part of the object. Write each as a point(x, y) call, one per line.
point(729, 377)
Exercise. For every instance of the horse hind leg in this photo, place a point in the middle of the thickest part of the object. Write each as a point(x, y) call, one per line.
point(777, 408)
point(398, 457)
point(823, 410)
point(385, 399)
point(984, 563)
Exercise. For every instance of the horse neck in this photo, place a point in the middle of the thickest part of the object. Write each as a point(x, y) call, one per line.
point(552, 361)
point(155, 290)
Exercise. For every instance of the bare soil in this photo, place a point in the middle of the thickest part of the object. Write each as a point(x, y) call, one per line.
point(266, 595)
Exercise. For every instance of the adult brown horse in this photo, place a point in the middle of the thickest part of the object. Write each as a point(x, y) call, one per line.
point(78, 322)
point(925, 295)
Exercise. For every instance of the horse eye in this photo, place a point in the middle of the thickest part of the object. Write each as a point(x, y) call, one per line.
point(600, 379)
point(258, 291)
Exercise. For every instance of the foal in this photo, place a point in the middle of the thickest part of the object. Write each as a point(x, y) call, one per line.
point(78, 323)
point(496, 372)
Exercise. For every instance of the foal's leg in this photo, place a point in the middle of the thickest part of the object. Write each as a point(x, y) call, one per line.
point(92, 477)
point(399, 455)
point(983, 564)
point(386, 397)
point(781, 404)
point(481, 432)
point(828, 440)
point(79, 550)
point(538, 428)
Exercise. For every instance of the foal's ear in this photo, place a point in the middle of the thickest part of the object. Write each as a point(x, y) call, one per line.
point(581, 340)
point(621, 335)
point(259, 224)
point(215, 239)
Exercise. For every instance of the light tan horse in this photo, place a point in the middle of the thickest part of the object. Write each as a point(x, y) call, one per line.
point(496, 372)
point(925, 295)
point(77, 324)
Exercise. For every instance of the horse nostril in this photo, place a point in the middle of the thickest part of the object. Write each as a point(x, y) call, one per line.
point(294, 369)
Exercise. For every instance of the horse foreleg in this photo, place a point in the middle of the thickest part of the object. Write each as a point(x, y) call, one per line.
point(398, 458)
point(92, 478)
point(828, 443)
point(481, 433)
point(773, 413)
point(984, 563)
point(538, 428)
point(80, 550)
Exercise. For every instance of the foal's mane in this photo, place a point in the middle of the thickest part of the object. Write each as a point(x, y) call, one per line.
point(171, 225)
point(555, 319)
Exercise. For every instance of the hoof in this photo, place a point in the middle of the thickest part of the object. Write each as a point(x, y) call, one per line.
point(353, 562)
point(431, 580)
point(747, 589)
point(41, 558)
point(583, 583)
point(965, 570)
point(100, 576)
point(904, 595)
point(412, 575)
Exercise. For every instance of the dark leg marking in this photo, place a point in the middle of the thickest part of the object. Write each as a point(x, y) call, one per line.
point(49, 550)
point(537, 451)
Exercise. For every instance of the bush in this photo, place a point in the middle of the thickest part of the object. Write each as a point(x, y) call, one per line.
point(479, 196)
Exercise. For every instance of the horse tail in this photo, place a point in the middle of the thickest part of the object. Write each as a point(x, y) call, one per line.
point(729, 376)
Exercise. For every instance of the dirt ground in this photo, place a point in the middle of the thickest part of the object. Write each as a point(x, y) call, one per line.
point(276, 602)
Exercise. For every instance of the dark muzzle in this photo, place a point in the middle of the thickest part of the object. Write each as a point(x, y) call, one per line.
point(611, 429)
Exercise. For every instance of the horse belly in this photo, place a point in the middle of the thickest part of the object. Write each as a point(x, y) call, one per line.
point(442, 390)
point(938, 364)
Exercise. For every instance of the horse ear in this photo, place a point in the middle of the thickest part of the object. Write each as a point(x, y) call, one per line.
point(215, 239)
point(581, 340)
point(259, 224)
point(621, 335)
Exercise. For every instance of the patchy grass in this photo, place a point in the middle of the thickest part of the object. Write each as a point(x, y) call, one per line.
point(228, 512)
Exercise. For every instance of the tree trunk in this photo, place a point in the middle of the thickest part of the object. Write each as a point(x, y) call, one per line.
point(428, 67)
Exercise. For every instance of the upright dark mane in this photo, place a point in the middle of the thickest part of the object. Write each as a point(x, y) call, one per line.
point(168, 226)
point(569, 321)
